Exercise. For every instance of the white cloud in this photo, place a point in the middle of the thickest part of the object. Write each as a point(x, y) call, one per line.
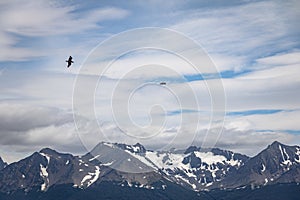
point(29, 117)
point(275, 87)
point(42, 19)
point(252, 30)
point(252, 142)
point(27, 128)
point(38, 19)
point(280, 59)
point(37, 88)
point(239, 130)
point(281, 121)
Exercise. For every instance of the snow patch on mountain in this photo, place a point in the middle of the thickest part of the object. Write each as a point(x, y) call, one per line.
point(95, 157)
point(141, 158)
point(165, 160)
point(44, 174)
point(46, 156)
point(286, 163)
point(91, 177)
point(263, 168)
point(109, 144)
point(108, 164)
point(209, 158)
point(297, 155)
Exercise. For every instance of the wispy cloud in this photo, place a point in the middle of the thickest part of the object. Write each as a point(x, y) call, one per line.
point(254, 112)
point(26, 21)
point(246, 31)
point(43, 19)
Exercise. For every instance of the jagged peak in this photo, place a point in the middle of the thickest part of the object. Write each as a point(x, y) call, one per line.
point(136, 148)
point(48, 150)
point(52, 152)
point(191, 149)
point(3, 164)
point(1, 160)
point(276, 144)
point(138, 145)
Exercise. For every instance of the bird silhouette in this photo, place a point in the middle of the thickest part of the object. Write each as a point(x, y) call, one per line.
point(69, 61)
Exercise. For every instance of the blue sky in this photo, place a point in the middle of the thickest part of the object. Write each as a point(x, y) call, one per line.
point(254, 45)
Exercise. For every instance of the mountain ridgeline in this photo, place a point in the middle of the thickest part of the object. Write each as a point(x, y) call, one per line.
point(120, 171)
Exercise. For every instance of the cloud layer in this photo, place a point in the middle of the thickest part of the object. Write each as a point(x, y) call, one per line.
point(254, 45)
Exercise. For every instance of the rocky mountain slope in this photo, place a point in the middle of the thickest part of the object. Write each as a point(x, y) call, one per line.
point(278, 163)
point(2, 164)
point(132, 166)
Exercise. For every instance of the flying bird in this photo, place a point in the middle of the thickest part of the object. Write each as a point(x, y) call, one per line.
point(69, 61)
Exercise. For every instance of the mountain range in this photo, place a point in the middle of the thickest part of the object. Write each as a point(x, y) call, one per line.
point(121, 171)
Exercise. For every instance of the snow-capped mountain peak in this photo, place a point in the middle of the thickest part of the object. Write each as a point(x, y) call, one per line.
point(196, 167)
point(136, 148)
point(268, 167)
point(134, 166)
